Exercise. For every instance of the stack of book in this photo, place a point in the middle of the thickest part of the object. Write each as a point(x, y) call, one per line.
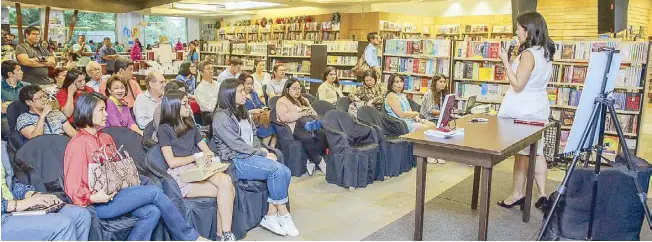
point(291, 49)
point(341, 46)
point(480, 71)
point(479, 49)
point(341, 60)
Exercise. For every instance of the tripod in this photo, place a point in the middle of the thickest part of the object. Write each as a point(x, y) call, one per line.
point(603, 103)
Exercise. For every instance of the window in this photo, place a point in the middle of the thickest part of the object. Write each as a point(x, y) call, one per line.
point(174, 28)
point(95, 26)
point(31, 17)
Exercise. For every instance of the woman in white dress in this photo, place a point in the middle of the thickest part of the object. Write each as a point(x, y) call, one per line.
point(527, 98)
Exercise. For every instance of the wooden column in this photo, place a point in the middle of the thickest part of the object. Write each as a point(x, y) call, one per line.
point(19, 20)
point(72, 25)
point(47, 24)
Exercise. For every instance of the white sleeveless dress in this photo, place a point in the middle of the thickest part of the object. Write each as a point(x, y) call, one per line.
point(531, 103)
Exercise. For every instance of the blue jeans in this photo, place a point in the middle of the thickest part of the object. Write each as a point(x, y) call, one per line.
point(260, 168)
point(148, 204)
point(70, 223)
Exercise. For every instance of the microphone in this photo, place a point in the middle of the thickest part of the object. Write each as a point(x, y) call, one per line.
point(511, 47)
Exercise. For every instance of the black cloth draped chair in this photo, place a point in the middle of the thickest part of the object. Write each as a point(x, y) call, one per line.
point(292, 149)
point(343, 103)
point(353, 157)
point(321, 107)
point(309, 96)
point(397, 154)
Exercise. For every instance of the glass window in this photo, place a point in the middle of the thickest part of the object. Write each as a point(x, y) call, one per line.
point(31, 17)
point(174, 28)
point(95, 26)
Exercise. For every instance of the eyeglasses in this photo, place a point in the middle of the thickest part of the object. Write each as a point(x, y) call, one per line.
point(41, 98)
point(295, 88)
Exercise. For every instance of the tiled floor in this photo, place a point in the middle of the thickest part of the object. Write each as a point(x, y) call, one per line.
point(328, 212)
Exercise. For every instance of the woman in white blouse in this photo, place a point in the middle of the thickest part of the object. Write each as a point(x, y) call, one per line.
point(261, 77)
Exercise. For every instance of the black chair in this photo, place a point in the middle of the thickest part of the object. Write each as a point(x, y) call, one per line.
point(343, 103)
point(132, 142)
point(321, 107)
point(398, 153)
point(309, 96)
point(292, 149)
point(414, 105)
point(14, 110)
point(149, 136)
point(207, 118)
point(265, 95)
point(45, 154)
point(354, 153)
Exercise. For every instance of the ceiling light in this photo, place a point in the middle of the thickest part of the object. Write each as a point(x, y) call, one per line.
point(198, 6)
point(249, 5)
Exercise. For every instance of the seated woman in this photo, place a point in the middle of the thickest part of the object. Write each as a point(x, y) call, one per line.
point(41, 118)
point(51, 90)
point(73, 86)
point(71, 223)
point(256, 106)
point(275, 86)
point(187, 75)
point(147, 203)
point(180, 140)
point(398, 106)
point(330, 91)
point(234, 141)
point(117, 110)
point(370, 93)
point(289, 109)
point(172, 85)
point(432, 100)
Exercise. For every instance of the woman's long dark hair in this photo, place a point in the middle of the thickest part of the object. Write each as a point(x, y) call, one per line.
point(192, 51)
point(171, 112)
point(71, 76)
point(537, 33)
point(184, 69)
point(372, 74)
point(301, 102)
point(256, 64)
point(327, 71)
point(436, 95)
point(390, 82)
point(85, 108)
point(226, 98)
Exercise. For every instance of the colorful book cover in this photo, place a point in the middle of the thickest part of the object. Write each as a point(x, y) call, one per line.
point(611, 144)
point(568, 51)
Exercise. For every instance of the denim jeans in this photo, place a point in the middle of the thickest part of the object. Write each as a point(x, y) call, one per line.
point(70, 223)
point(148, 204)
point(253, 167)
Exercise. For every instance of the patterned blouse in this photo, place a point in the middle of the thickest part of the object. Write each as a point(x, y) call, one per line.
point(364, 93)
point(428, 105)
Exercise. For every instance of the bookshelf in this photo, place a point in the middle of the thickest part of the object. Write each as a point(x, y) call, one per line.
point(567, 81)
point(342, 55)
point(217, 52)
point(250, 52)
point(418, 60)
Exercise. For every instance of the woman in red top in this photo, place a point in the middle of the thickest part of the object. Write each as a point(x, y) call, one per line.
point(73, 86)
point(147, 203)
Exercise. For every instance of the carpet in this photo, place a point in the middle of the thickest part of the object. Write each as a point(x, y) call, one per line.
point(449, 216)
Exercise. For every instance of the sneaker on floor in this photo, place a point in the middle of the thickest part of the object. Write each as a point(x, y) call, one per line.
point(311, 167)
point(272, 224)
point(440, 161)
point(228, 236)
point(288, 225)
point(431, 160)
point(322, 166)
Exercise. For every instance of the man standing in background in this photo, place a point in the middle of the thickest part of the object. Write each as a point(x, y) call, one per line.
point(81, 48)
point(34, 58)
point(108, 55)
point(371, 53)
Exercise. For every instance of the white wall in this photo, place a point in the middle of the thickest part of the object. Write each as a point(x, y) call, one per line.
point(447, 8)
point(129, 21)
point(192, 28)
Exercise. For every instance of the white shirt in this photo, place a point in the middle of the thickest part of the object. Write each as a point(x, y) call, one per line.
point(258, 83)
point(275, 88)
point(144, 109)
point(77, 46)
point(226, 74)
point(94, 84)
point(206, 95)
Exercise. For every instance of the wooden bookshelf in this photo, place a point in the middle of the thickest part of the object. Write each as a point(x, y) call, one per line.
point(343, 55)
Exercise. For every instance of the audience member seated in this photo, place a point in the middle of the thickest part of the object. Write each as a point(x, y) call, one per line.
point(12, 75)
point(398, 106)
point(207, 90)
point(94, 72)
point(147, 203)
point(73, 86)
point(51, 90)
point(172, 85)
point(276, 85)
point(261, 77)
point(432, 100)
point(259, 112)
point(187, 75)
point(118, 113)
point(180, 140)
point(292, 108)
point(233, 140)
point(71, 223)
point(125, 69)
point(329, 90)
point(370, 93)
point(147, 101)
point(232, 71)
point(41, 118)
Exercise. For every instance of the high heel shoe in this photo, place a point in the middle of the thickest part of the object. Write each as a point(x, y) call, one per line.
point(520, 202)
point(542, 203)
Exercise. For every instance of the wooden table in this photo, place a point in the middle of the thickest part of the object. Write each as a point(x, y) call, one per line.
point(483, 145)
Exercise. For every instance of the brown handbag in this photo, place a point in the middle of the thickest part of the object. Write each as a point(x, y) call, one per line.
point(360, 67)
point(111, 171)
point(262, 118)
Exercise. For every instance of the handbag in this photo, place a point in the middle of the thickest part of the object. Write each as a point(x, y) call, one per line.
point(360, 67)
point(262, 118)
point(112, 171)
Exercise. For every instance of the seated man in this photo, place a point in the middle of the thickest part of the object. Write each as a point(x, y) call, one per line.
point(12, 75)
point(41, 118)
point(147, 101)
point(71, 223)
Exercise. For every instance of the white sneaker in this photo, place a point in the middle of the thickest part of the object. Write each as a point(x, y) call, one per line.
point(440, 161)
point(272, 224)
point(322, 166)
point(288, 225)
point(431, 160)
point(311, 167)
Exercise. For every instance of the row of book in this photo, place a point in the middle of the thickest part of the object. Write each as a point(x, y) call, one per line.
point(631, 51)
point(294, 66)
point(434, 47)
point(449, 29)
point(417, 65)
point(341, 46)
point(345, 74)
point(341, 60)
point(249, 48)
point(330, 36)
point(480, 49)
point(564, 96)
point(628, 76)
point(611, 143)
point(291, 49)
point(481, 71)
point(221, 46)
point(629, 123)
point(411, 83)
point(483, 92)
point(219, 60)
point(312, 36)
